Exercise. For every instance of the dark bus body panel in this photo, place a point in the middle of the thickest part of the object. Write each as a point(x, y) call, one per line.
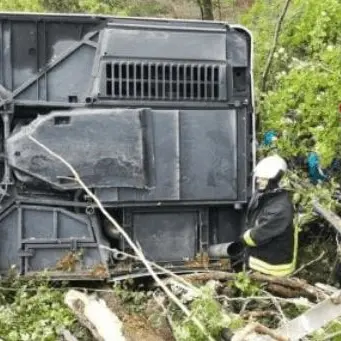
point(155, 115)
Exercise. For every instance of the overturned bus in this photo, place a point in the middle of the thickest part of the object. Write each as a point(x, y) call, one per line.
point(157, 118)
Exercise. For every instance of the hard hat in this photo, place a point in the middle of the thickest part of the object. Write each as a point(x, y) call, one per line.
point(269, 167)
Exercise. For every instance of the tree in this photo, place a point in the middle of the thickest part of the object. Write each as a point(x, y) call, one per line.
point(206, 8)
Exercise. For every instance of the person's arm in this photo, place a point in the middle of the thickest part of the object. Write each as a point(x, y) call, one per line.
point(272, 223)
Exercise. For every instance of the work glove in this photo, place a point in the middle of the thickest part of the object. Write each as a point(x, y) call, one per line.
point(236, 249)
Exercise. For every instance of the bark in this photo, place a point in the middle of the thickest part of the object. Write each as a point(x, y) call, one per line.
point(206, 8)
point(274, 45)
point(286, 287)
point(103, 324)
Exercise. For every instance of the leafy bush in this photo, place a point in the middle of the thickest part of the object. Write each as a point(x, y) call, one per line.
point(33, 310)
point(208, 311)
point(304, 82)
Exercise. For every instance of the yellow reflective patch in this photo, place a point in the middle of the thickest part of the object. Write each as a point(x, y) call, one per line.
point(296, 231)
point(269, 269)
point(248, 240)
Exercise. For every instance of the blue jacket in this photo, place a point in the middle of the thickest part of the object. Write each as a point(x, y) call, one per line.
point(314, 170)
point(269, 137)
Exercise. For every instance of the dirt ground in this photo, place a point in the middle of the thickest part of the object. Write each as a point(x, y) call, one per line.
point(137, 327)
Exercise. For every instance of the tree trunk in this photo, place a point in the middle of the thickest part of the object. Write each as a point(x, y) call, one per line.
point(206, 8)
point(95, 315)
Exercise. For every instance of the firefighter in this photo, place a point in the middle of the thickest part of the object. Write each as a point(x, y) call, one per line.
point(270, 239)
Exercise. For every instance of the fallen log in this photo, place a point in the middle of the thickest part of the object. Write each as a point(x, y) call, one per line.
point(286, 287)
point(93, 313)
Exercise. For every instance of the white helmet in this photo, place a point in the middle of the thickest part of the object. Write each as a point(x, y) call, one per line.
point(269, 167)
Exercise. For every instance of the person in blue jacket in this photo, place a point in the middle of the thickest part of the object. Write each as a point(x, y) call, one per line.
point(269, 138)
point(315, 172)
point(311, 162)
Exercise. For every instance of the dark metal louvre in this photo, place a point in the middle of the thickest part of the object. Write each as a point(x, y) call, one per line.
point(162, 81)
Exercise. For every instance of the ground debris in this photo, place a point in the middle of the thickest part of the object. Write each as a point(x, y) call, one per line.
point(69, 262)
point(138, 326)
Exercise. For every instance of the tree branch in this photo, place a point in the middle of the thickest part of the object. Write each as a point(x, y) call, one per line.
point(309, 263)
point(137, 251)
point(298, 286)
point(275, 41)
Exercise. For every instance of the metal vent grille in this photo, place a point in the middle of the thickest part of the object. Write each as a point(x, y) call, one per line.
point(162, 81)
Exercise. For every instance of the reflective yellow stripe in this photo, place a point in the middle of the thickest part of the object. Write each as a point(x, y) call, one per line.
point(269, 269)
point(248, 240)
point(263, 264)
point(296, 231)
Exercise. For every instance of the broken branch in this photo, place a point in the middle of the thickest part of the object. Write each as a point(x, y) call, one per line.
point(274, 45)
point(295, 285)
point(304, 266)
point(258, 328)
point(95, 315)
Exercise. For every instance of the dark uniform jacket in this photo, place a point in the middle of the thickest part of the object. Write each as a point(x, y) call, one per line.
point(270, 234)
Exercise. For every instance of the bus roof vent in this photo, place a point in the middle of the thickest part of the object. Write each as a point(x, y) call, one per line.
point(162, 81)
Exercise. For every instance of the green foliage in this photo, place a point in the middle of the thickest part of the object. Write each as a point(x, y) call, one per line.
point(208, 311)
point(32, 310)
point(304, 194)
point(304, 81)
point(331, 332)
point(118, 7)
point(21, 5)
point(244, 284)
point(135, 301)
point(34, 316)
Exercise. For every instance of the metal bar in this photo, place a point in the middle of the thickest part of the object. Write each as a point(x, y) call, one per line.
point(65, 203)
point(7, 59)
point(164, 81)
point(127, 65)
point(167, 28)
point(142, 80)
point(120, 79)
point(171, 80)
point(1, 54)
point(185, 81)
point(60, 241)
point(192, 104)
point(212, 82)
point(37, 58)
point(44, 61)
point(178, 80)
point(149, 65)
point(6, 179)
point(55, 224)
point(157, 66)
point(112, 80)
point(24, 260)
point(135, 79)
